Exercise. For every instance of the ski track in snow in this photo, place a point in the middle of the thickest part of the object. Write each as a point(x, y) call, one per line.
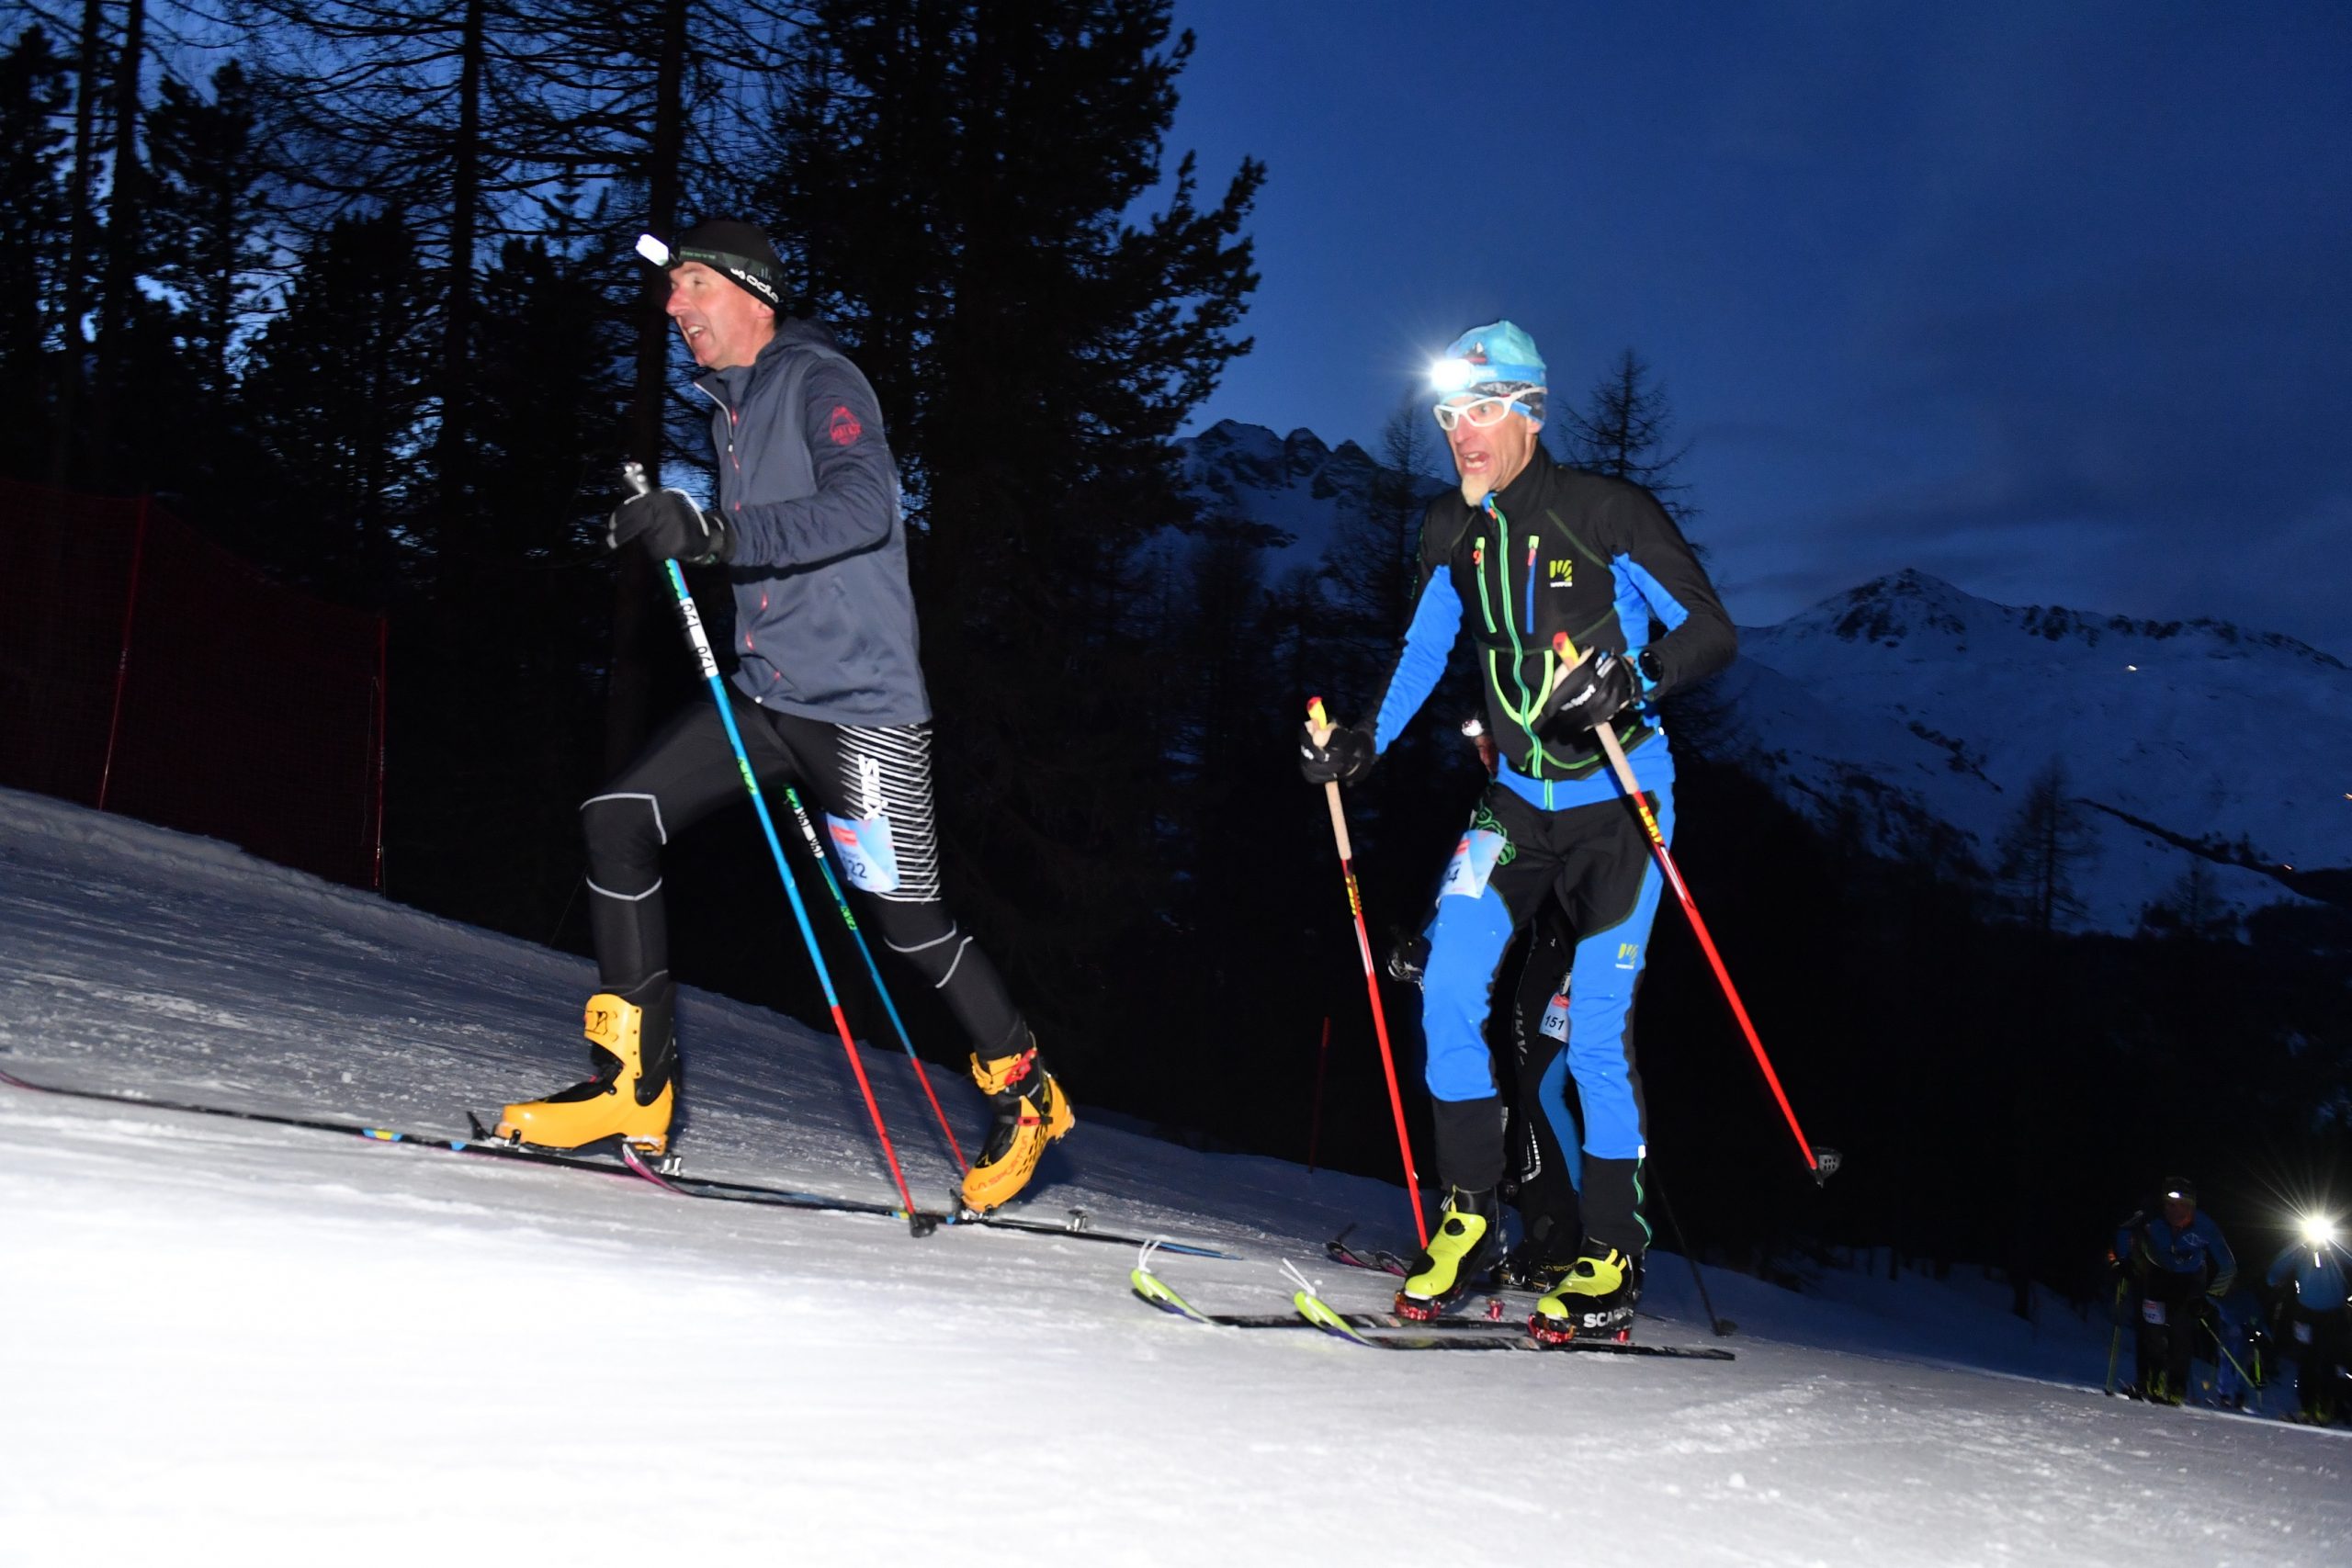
point(226, 1338)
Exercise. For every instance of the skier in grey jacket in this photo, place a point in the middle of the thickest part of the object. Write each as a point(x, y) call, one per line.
point(828, 693)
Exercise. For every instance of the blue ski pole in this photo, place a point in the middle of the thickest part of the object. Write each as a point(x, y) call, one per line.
point(840, 902)
point(690, 619)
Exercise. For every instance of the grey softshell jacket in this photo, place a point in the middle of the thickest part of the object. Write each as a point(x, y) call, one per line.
point(824, 617)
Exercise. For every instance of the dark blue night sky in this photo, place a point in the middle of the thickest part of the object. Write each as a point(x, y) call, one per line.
point(2053, 300)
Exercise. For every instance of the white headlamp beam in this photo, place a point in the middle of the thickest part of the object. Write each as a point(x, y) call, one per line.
point(1452, 375)
point(653, 250)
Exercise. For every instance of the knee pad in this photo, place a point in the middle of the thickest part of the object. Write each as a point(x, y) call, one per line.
point(925, 937)
point(625, 838)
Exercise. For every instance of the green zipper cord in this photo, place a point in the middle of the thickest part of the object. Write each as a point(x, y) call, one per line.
point(1524, 714)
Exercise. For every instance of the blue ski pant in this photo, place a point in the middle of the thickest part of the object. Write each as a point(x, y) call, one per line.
point(1596, 860)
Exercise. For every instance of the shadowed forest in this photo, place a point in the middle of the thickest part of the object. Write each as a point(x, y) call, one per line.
point(348, 285)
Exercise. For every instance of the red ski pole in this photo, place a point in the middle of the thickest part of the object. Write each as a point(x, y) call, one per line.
point(1320, 727)
point(1822, 1163)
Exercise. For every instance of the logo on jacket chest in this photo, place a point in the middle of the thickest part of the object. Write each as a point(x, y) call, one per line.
point(1560, 573)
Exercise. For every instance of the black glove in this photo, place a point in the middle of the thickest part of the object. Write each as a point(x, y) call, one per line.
point(1409, 955)
point(1596, 690)
point(1346, 754)
point(671, 527)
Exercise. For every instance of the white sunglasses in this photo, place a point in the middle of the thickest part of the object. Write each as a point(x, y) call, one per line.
point(1482, 412)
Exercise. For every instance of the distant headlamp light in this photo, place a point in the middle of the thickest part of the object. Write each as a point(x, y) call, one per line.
point(653, 250)
point(2318, 1230)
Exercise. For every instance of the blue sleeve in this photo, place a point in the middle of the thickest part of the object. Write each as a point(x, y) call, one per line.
point(2281, 1268)
point(856, 501)
point(2226, 1263)
point(1437, 621)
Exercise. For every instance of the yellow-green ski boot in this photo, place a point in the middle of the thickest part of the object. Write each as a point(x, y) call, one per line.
point(1594, 1302)
point(1468, 1240)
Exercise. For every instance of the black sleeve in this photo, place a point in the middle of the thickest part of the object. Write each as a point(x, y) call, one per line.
point(1700, 638)
point(857, 483)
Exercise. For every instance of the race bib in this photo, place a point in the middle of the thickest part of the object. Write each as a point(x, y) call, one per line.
point(1556, 1019)
point(864, 845)
point(1473, 862)
point(2152, 1312)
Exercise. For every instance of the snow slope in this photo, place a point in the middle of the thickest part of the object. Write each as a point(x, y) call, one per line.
point(229, 1341)
point(1907, 700)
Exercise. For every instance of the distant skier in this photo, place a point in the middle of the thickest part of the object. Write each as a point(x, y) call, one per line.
point(2312, 1280)
point(827, 692)
point(2170, 1265)
point(1529, 549)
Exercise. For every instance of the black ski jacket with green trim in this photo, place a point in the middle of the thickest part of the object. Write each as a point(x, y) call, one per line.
point(1559, 550)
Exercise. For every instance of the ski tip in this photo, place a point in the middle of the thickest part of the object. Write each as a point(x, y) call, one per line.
point(1149, 1286)
point(1313, 1308)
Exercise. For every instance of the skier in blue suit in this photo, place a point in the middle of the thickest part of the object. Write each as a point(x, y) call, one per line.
point(1530, 551)
point(2313, 1280)
point(2171, 1264)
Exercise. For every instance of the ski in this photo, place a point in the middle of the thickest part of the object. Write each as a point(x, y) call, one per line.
point(1385, 1331)
point(632, 1165)
point(1382, 1261)
point(1079, 1226)
point(1379, 1260)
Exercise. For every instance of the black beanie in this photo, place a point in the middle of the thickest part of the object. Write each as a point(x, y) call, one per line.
point(740, 251)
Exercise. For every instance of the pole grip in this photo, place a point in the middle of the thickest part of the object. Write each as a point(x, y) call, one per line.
point(1318, 729)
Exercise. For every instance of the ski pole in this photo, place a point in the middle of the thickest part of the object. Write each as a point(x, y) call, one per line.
point(1822, 1163)
point(840, 902)
point(1315, 1116)
point(690, 619)
point(1722, 1326)
point(1321, 728)
point(2114, 1336)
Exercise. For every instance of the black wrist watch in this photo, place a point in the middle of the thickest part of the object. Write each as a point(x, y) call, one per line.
point(1646, 663)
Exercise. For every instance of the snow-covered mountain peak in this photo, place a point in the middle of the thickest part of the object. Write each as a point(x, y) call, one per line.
point(1910, 701)
point(1295, 487)
point(1927, 617)
point(1895, 607)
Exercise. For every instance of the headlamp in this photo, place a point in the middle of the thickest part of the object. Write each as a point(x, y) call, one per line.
point(1452, 375)
point(2318, 1230)
point(653, 250)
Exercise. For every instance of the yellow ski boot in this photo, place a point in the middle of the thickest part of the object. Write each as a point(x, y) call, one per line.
point(633, 1092)
point(1594, 1302)
point(1468, 1242)
point(1031, 1112)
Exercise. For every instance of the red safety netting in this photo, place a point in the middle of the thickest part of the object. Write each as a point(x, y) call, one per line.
point(145, 670)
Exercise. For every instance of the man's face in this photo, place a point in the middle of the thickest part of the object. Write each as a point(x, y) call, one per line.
point(1489, 457)
point(723, 325)
point(2178, 1211)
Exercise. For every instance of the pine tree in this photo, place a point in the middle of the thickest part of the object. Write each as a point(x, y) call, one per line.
point(952, 184)
point(337, 388)
point(2045, 844)
point(208, 239)
point(33, 91)
point(1624, 431)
